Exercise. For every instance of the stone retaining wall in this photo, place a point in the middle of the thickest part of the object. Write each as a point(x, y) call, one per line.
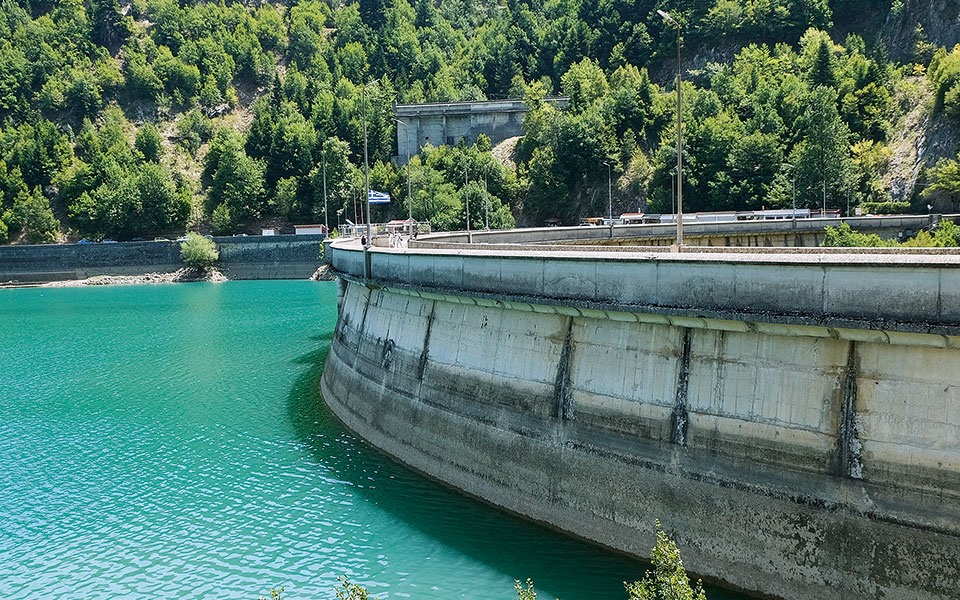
point(246, 257)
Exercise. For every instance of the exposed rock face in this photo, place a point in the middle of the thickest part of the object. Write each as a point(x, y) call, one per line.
point(939, 20)
point(324, 273)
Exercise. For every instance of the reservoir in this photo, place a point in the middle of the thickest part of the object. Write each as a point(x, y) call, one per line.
point(170, 441)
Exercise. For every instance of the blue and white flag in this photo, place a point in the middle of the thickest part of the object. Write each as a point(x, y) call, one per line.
point(376, 197)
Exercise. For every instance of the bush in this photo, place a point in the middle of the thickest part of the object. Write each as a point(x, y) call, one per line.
point(885, 208)
point(843, 236)
point(198, 252)
point(668, 578)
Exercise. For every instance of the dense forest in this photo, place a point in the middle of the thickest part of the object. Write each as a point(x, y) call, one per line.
point(133, 119)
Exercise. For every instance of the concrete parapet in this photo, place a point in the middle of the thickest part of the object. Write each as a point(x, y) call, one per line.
point(732, 236)
point(794, 421)
point(902, 292)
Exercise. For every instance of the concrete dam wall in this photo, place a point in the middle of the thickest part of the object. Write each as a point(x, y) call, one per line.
point(794, 421)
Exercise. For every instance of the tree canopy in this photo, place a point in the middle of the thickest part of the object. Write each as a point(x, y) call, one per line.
point(126, 120)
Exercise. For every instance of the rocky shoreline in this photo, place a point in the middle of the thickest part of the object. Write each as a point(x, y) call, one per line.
point(324, 273)
point(184, 275)
point(179, 276)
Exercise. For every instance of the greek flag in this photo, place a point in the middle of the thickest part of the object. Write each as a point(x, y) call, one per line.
point(376, 197)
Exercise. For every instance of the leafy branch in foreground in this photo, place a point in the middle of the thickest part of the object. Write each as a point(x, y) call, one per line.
point(668, 580)
point(351, 591)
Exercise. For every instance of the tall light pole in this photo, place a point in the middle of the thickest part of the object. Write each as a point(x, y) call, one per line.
point(406, 131)
point(823, 213)
point(666, 17)
point(366, 167)
point(466, 196)
point(793, 192)
point(366, 161)
point(609, 199)
point(486, 201)
point(323, 159)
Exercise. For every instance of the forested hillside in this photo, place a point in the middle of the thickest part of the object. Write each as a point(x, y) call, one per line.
point(135, 119)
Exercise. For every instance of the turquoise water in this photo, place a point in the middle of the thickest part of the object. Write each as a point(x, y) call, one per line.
point(169, 441)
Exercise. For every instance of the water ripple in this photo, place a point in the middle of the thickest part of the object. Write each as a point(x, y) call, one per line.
point(170, 442)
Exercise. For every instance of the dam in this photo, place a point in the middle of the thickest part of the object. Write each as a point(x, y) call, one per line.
point(792, 417)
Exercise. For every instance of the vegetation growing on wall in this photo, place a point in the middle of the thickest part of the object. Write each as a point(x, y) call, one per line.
point(133, 119)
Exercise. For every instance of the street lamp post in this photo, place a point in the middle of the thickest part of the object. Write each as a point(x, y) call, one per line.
point(406, 131)
point(609, 199)
point(326, 219)
point(486, 202)
point(823, 213)
point(793, 192)
point(366, 167)
point(466, 196)
point(366, 161)
point(666, 17)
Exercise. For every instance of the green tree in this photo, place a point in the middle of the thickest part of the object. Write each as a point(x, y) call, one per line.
point(163, 207)
point(944, 177)
point(237, 179)
point(221, 220)
point(822, 157)
point(334, 167)
point(198, 252)
point(668, 580)
point(435, 199)
point(823, 64)
point(149, 143)
point(31, 214)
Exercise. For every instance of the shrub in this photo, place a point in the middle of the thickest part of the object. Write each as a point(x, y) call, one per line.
point(668, 578)
point(198, 252)
point(885, 208)
point(843, 236)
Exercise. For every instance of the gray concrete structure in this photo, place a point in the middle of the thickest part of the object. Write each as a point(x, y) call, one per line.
point(245, 257)
point(794, 420)
point(731, 236)
point(449, 123)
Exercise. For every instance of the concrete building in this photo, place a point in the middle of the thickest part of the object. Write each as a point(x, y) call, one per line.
point(449, 123)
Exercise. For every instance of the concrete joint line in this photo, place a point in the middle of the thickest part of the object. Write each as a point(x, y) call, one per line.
point(425, 353)
point(363, 324)
point(679, 418)
point(563, 397)
point(849, 444)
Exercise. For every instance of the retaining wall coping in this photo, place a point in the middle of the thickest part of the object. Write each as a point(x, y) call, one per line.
point(914, 293)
